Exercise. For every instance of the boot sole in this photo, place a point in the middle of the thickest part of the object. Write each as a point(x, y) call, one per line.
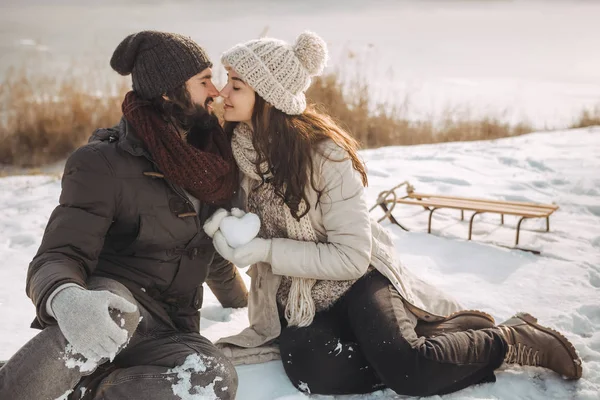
point(531, 320)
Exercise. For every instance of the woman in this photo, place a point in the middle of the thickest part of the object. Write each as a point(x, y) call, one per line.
point(325, 281)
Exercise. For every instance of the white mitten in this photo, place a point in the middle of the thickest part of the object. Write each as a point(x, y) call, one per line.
point(212, 224)
point(236, 212)
point(257, 250)
point(240, 230)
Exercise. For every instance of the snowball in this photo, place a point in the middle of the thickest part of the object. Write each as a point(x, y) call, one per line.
point(239, 231)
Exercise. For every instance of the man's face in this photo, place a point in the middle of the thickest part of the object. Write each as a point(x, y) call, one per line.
point(201, 89)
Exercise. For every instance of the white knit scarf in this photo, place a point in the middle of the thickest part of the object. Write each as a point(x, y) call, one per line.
point(300, 308)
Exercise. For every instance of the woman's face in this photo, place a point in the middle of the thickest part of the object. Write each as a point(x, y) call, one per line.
point(238, 99)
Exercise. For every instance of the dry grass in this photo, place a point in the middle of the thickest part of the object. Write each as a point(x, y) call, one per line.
point(375, 125)
point(588, 118)
point(43, 119)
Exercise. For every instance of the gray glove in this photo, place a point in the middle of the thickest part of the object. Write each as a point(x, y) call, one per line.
point(84, 320)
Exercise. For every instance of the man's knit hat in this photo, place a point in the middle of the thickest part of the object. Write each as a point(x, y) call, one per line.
point(279, 72)
point(158, 61)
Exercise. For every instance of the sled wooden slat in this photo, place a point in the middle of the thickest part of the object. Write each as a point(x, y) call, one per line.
point(523, 204)
point(433, 202)
point(478, 207)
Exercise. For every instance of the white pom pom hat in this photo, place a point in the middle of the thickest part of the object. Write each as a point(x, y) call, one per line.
point(279, 72)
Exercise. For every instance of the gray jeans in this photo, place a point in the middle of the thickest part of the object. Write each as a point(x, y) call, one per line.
point(157, 363)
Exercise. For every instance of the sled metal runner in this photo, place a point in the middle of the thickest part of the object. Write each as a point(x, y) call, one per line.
point(388, 199)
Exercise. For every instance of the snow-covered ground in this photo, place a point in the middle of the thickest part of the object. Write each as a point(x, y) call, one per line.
point(561, 287)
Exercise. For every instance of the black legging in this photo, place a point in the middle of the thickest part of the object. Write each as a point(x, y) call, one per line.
point(366, 342)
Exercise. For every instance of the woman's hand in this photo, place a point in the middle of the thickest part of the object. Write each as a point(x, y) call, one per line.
point(211, 226)
point(257, 250)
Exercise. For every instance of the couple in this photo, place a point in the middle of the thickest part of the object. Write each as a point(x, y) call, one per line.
point(117, 281)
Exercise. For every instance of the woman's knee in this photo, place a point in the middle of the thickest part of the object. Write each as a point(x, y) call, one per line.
point(300, 359)
point(303, 348)
point(408, 380)
point(317, 363)
point(401, 367)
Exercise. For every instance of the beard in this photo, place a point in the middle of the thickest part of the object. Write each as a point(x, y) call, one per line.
point(203, 124)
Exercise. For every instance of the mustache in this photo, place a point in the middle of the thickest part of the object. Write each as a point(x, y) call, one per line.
point(208, 101)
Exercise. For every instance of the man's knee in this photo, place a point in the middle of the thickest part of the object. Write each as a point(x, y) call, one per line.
point(209, 375)
point(127, 321)
point(193, 376)
point(111, 285)
point(228, 380)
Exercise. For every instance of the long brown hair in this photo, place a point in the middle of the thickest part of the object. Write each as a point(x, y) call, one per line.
point(286, 143)
point(177, 107)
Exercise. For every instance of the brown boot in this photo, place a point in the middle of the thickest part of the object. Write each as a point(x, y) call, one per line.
point(535, 345)
point(459, 321)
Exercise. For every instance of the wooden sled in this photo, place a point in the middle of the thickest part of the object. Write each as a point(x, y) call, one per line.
point(388, 199)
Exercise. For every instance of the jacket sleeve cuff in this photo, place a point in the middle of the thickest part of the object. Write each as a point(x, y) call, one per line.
point(54, 293)
point(40, 286)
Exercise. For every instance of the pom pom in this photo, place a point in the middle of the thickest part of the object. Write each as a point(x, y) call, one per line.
point(311, 50)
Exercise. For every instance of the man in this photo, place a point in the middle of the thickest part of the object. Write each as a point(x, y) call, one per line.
point(117, 281)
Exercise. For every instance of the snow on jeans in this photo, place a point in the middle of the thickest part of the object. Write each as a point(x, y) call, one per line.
point(157, 363)
point(367, 342)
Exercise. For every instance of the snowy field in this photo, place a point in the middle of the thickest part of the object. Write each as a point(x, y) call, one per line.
point(561, 287)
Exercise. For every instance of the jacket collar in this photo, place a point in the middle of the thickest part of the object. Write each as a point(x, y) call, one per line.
point(124, 133)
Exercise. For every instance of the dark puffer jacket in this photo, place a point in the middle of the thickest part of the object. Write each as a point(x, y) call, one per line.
point(120, 218)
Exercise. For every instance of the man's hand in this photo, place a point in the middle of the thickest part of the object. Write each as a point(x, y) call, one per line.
point(84, 320)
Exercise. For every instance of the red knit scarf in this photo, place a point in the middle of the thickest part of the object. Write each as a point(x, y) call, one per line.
point(209, 174)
